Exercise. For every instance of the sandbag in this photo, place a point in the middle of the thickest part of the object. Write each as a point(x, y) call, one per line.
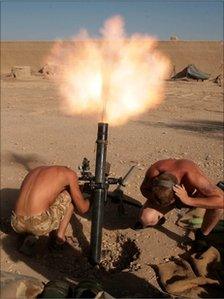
point(194, 279)
point(17, 286)
point(21, 72)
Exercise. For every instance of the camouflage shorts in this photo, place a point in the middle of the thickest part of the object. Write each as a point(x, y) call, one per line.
point(45, 222)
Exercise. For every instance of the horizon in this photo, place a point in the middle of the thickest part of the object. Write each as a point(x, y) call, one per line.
point(48, 21)
point(99, 39)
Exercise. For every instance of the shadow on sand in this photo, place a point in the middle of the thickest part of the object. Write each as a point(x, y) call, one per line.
point(181, 240)
point(212, 129)
point(8, 198)
point(113, 219)
point(72, 264)
point(28, 161)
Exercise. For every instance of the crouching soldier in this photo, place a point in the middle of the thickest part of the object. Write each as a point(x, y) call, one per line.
point(177, 182)
point(48, 197)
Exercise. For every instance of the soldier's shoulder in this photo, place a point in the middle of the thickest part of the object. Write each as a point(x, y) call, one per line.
point(186, 163)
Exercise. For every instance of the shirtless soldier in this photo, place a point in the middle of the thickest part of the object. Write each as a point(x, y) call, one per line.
point(168, 181)
point(48, 196)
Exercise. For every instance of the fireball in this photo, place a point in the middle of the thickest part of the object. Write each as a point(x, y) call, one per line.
point(116, 77)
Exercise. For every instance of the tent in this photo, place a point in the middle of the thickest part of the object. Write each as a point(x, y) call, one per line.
point(191, 72)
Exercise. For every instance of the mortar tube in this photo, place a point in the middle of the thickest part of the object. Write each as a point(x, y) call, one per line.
point(99, 195)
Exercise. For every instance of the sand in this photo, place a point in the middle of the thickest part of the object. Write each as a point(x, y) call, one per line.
point(188, 124)
point(206, 55)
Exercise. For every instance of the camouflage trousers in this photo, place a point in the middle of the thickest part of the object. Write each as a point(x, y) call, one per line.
point(42, 224)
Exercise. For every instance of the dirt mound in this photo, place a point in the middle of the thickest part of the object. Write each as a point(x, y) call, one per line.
point(120, 255)
point(48, 70)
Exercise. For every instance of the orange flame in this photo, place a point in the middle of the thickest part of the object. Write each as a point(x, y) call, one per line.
point(114, 77)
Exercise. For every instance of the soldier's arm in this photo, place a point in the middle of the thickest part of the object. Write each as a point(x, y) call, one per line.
point(81, 204)
point(211, 197)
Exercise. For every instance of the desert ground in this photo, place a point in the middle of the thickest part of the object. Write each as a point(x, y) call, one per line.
point(206, 55)
point(188, 124)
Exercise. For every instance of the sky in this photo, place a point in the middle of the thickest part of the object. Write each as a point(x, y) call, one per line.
point(50, 20)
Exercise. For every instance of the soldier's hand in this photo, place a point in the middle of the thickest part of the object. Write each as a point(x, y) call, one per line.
point(181, 193)
point(85, 188)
